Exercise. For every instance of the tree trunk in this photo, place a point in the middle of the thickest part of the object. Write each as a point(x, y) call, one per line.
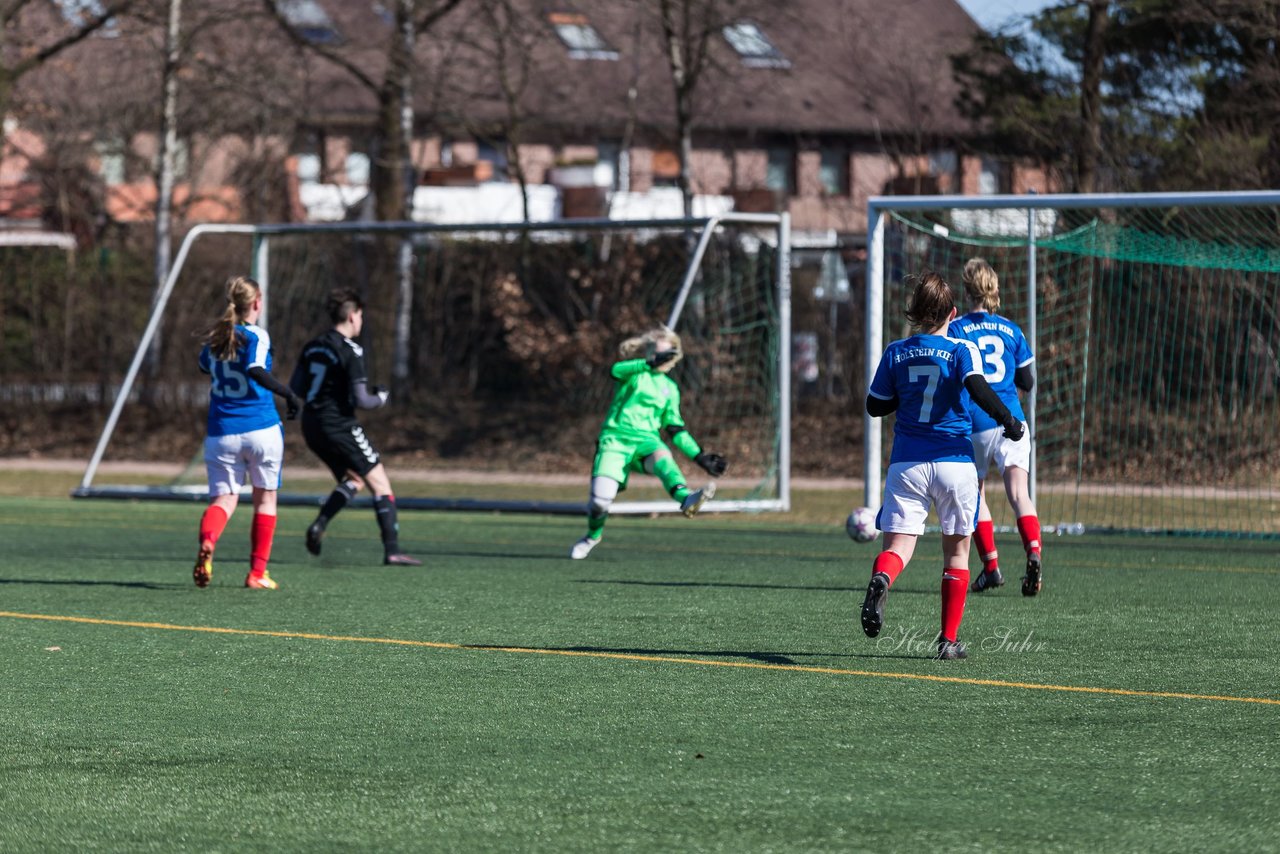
point(402, 171)
point(387, 181)
point(1089, 150)
point(684, 125)
point(165, 169)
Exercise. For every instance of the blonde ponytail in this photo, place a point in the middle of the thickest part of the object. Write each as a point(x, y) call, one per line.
point(221, 337)
point(981, 285)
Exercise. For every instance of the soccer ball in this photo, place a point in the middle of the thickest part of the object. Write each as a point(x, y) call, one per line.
point(861, 525)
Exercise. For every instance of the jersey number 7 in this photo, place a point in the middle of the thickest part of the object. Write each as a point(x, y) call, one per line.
point(931, 375)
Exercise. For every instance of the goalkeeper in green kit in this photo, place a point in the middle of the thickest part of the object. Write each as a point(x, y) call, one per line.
point(646, 403)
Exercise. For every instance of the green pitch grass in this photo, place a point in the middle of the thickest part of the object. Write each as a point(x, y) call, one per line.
point(694, 686)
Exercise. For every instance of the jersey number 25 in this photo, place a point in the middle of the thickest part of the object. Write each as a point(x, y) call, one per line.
point(228, 381)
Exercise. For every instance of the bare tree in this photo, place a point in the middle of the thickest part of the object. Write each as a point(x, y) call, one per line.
point(687, 28)
point(908, 99)
point(392, 178)
point(692, 32)
point(392, 130)
point(500, 48)
point(27, 44)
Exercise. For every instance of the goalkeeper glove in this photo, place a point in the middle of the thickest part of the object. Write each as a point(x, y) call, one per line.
point(1013, 430)
point(714, 464)
point(293, 405)
point(382, 392)
point(657, 360)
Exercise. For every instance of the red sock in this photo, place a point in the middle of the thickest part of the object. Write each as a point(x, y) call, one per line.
point(889, 563)
point(955, 587)
point(260, 537)
point(1029, 528)
point(212, 523)
point(984, 537)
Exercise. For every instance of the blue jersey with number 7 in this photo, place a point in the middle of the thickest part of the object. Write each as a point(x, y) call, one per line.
point(237, 404)
point(927, 373)
point(1002, 349)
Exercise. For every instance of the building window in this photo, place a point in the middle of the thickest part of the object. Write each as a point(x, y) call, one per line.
point(608, 164)
point(309, 20)
point(111, 160)
point(833, 172)
point(309, 168)
point(357, 168)
point(994, 177)
point(580, 37)
point(665, 168)
point(495, 154)
point(780, 173)
point(753, 46)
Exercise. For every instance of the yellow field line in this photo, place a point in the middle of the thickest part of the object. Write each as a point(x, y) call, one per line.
point(661, 659)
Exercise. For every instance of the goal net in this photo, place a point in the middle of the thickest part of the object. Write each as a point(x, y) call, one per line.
point(497, 341)
point(1153, 319)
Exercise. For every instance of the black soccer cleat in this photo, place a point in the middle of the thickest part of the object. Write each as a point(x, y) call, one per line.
point(873, 604)
point(401, 559)
point(1031, 582)
point(315, 534)
point(951, 650)
point(987, 581)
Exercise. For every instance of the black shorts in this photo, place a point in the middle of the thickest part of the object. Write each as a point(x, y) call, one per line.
point(342, 449)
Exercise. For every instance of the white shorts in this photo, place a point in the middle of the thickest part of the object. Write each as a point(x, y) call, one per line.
point(228, 458)
point(910, 488)
point(991, 446)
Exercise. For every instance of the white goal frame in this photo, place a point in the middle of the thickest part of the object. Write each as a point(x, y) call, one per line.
point(704, 228)
point(879, 206)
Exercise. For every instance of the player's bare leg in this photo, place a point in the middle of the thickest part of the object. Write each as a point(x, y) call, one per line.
point(261, 536)
point(985, 540)
point(212, 523)
point(1016, 485)
point(895, 553)
point(955, 588)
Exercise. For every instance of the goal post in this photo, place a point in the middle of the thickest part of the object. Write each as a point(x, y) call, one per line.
point(1155, 322)
point(513, 327)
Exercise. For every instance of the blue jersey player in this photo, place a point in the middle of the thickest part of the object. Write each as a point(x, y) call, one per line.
point(244, 435)
point(927, 379)
point(1008, 366)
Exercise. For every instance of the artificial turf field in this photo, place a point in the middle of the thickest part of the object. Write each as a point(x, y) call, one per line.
point(693, 686)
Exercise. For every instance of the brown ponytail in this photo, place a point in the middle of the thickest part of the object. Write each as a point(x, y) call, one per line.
point(931, 303)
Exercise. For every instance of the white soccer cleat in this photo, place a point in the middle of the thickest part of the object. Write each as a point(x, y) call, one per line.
point(582, 548)
point(694, 500)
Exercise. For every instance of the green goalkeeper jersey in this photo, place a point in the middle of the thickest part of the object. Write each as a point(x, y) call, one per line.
point(645, 402)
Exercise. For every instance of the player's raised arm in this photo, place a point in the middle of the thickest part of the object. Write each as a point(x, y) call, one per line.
point(628, 368)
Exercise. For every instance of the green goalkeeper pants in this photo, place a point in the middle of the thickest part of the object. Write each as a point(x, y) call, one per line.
point(619, 455)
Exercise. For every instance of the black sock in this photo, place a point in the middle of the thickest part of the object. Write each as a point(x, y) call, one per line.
point(385, 507)
point(338, 499)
